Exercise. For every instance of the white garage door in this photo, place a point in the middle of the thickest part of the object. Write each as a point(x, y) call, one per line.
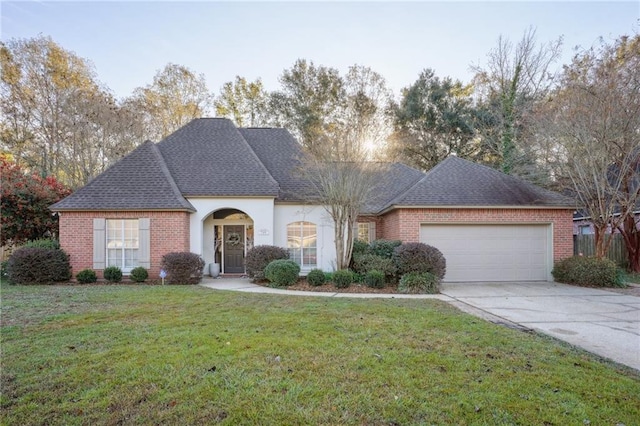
point(492, 252)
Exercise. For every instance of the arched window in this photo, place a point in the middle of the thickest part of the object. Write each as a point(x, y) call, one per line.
point(302, 243)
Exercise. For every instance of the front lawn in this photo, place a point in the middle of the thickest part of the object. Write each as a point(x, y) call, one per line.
point(106, 355)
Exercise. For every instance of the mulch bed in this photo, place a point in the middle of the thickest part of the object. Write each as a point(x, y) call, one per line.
point(303, 285)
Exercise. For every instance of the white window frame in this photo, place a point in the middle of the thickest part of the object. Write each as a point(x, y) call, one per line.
point(299, 227)
point(123, 244)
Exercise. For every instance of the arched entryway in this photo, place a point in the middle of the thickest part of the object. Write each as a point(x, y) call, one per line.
point(232, 238)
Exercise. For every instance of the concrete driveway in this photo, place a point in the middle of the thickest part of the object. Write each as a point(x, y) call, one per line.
point(602, 322)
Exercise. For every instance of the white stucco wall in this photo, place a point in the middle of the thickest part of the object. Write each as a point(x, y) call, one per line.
point(269, 222)
point(285, 214)
point(260, 210)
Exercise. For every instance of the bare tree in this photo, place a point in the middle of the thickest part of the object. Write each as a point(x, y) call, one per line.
point(596, 121)
point(515, 78)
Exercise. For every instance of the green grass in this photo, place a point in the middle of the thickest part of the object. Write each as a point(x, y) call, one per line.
point(106, 355)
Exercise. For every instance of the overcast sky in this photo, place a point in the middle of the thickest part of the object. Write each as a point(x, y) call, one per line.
point(129, 41)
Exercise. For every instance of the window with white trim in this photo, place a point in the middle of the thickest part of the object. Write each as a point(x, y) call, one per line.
point(302, 243)
point(122, 243)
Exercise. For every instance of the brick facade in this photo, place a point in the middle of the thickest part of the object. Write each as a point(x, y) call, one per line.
point(404, 224)
point(169, 232)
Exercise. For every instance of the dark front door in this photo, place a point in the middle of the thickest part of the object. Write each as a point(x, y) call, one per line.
point(234, 249)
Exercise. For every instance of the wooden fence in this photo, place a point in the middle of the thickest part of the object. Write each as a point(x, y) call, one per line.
point(586, 244)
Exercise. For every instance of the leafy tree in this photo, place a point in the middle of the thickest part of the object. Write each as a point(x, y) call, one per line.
point(594, 118)
point(25, 204)
point(243, 102)
point(57, 119)
point(515, 78)
point(309, 103)
point(434, 119)
point(176, 96)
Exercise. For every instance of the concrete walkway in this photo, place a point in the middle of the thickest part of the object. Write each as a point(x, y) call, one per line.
point(599, 321)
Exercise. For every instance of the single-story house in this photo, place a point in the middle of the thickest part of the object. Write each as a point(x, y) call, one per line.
point(217, 190)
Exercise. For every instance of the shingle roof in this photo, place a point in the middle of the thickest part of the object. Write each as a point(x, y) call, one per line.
point(393, 179)
point(458, 182)
point(140, 180)
point(209, 157)
point(281, 154)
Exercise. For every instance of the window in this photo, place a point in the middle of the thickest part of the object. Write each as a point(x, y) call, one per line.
point(302, 243)
point(122, 243)
point(585, 230)
point(366, 231)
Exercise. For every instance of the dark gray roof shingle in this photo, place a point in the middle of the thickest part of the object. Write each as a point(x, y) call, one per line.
point(282, 155)
point(209, 157)
point(393, 179)
point(458, 182)
point(139, 181)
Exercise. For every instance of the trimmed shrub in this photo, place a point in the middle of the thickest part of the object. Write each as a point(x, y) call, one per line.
point(36, 265)
point(282, 272)
point(359, 247)
point(182, 267)
point(43, 243)
point(259, 257)
point(419, 283)
point(138, 274)
point(328, 277)
point(316, 277)
point(86, 276)
point(419, 257)
point(384, 248)
point(342, 278)
point(588, 271)
point(374, 279)
point(113, 274)
point(369, 262)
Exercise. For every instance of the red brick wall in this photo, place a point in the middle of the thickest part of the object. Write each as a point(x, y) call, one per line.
point(169, 231)
point(404, 224)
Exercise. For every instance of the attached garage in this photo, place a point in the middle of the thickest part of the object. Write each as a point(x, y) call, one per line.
point(493, 252)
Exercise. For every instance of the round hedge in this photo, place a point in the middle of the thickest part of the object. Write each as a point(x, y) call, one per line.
point(282, 272)
point(419, 257)
point(259, 257)
point(316, 277)
point(113, 274)
point(138, 274)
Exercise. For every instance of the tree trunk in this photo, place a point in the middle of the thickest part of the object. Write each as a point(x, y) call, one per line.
point(631, 235)
point(603, 240)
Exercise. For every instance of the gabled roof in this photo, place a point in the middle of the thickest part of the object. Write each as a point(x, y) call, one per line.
point(139, 181)
point(209, 157)
point(461, 183)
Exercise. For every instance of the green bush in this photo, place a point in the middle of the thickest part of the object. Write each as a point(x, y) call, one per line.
point(342, 278)
point(282, 272)
point(43, 243)
point(259, 257)
point(138, 274)
point(113, 274)
point(419, 283)
point(364, 263)
point(374, 279)
point(182, 267)
point(86, 276)
point(384, 248)
point(419, 257)
point(37, 265)
point(359, 247)
point(328, 277)
point(588, 271)
point(316, 277)
point(4, 271)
